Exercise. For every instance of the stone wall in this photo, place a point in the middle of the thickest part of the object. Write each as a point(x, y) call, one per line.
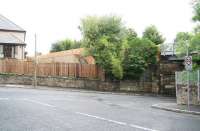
point(59, 82)
point(182, 95)
point(64, 82)
point(139, 86)
point(166, 75)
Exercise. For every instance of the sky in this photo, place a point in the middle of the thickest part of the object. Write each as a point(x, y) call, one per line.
point(54, 20)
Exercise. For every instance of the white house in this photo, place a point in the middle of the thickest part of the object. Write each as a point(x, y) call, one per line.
point(12, 39)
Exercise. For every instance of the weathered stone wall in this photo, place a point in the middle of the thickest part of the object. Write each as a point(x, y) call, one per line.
point(167, 75)
point(133, 86)
point(59, 82)
point(139, 86)
point(182, 95)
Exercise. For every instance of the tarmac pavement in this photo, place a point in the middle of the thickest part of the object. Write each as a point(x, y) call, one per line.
point(24, 109)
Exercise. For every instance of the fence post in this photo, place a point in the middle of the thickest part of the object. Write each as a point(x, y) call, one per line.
point(77, 70)
point(198, 85)
point(176, 82)
point(188, 82)
point(35, 63)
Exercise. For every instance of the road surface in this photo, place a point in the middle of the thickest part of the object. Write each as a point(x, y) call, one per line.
point(66, 110)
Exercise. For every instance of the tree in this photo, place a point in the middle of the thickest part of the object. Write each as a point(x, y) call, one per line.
point(138, 56)
point(104, 37)
point(153, 35)
point(194, 47)
point(196, 29)
point(131, 34)
point(195, 43)
point(196, 8)
point(66, 44)
point(181, 41)
point(61, 45)
point(77, 44)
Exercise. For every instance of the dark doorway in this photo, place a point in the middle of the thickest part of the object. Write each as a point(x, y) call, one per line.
point(7, 50)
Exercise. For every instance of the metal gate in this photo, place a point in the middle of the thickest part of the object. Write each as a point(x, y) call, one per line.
point(168, 84)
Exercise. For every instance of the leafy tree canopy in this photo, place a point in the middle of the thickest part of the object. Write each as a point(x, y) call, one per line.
point(195, 50)
point(153, 35)
point(138, 56)
point(196, 29)
point(186, 40)
point(195, 43)
point(65, 45)
point(182, 42)
point(117, 49)
point(105, 38)
point(131, 34)
point(196, 8)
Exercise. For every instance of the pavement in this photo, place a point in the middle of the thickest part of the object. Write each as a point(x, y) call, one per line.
point(78, 90)
point(192, 109)
point(28, 109)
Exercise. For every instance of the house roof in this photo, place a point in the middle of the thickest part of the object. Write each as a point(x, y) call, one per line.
point(6, 24)
point(8, 38)
point(90, 59)
point(76, 52)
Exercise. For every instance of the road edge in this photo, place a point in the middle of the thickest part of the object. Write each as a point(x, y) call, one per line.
point(79, 90)
point(157, 106)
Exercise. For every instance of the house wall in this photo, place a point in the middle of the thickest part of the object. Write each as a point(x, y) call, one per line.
point(19, 35)
point(1, 51)
point(17, 51)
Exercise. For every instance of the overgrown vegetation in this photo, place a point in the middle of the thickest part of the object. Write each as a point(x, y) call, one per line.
point(66, 44)
point(190, 40)
point(151, 33)
point(105, 39)
point(139, 54)
point(116, 48)
point(121, 52)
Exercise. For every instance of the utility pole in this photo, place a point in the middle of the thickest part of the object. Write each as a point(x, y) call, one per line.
point(188, 78)
point(35, 63)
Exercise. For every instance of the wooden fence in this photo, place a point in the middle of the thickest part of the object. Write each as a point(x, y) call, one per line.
point(52, 69)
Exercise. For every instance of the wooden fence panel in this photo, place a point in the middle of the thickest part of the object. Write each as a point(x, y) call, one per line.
point(51, 69)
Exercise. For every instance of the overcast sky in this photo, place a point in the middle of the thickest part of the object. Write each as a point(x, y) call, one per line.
point(53, 20)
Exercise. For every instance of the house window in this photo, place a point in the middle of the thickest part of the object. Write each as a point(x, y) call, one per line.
point(1, 51)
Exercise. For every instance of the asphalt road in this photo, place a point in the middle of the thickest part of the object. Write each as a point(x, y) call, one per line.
point(54, 110)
